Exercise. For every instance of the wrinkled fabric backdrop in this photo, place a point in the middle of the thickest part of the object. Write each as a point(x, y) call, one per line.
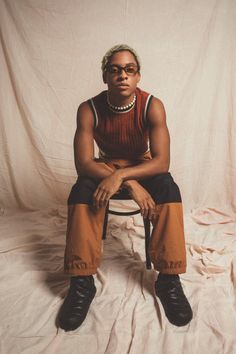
point(50, 58)
point(51, 53)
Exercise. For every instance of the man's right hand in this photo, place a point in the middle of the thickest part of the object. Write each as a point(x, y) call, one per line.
point(142, 198)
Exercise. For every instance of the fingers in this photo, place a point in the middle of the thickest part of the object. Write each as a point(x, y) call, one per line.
point(148, 209)
point(144, 210)
point(100, 198)
point(105, 190)
point(152, 211)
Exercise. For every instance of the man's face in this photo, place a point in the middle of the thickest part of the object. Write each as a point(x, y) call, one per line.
point(121, 82)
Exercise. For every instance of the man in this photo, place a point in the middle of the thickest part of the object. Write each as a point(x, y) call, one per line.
point(124, 121)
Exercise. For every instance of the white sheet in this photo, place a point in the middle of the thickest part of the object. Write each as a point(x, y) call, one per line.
point(125, 316)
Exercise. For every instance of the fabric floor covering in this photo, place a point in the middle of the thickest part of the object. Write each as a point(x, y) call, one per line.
point(125, 317)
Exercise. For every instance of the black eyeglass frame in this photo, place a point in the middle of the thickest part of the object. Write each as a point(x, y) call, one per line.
point(121, 68)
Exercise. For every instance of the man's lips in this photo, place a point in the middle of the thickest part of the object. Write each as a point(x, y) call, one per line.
point(122, 85)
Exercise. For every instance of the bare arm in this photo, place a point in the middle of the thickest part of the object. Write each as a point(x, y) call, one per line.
point(84, 146)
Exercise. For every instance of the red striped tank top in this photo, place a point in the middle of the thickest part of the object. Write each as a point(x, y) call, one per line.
point(122, 135)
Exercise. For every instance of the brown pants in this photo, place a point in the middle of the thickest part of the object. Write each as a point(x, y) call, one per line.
point(85, 227)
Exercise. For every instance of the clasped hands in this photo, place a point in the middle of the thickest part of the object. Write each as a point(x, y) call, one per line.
point(111, 185)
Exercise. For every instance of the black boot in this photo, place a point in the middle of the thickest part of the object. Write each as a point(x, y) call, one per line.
point(76, 304)
point(176, 306)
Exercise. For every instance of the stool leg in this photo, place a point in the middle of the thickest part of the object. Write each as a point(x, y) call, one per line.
point(104, 233)
point(147, 230)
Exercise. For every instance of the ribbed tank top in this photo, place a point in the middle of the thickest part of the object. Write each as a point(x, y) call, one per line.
point(121, 135)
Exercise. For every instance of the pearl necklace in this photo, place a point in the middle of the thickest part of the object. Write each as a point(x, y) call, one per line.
point(121, 109)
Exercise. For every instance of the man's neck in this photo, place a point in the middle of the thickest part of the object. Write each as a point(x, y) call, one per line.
point(120, 100)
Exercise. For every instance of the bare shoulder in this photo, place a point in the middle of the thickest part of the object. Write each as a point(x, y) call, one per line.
point(84, 115)
point(156, 112)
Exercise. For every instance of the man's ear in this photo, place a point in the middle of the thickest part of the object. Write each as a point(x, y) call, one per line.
point(104, 77)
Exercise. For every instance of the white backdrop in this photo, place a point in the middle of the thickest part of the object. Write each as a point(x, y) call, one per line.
point(50, 56)
point(50, 62)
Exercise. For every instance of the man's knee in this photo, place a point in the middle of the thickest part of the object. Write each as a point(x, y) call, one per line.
point(82, 191)
point(164, 189)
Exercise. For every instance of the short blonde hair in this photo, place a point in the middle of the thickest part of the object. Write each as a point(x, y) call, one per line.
point(118, 48)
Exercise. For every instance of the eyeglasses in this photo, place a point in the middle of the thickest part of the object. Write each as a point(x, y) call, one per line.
point(130, 70)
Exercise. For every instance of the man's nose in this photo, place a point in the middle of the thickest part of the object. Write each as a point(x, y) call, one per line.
point(123, 74)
